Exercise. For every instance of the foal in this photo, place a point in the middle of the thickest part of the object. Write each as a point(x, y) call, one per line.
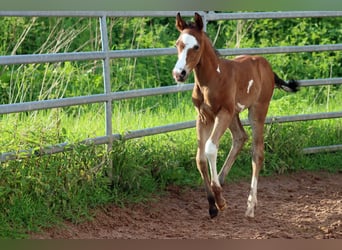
point(223, 88)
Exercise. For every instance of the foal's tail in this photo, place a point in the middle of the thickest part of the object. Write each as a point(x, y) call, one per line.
point(290, 86)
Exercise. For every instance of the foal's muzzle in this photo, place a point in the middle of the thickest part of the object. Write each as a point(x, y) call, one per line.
point(180, 75)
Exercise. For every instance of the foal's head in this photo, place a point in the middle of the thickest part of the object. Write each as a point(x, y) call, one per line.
point(189, 46)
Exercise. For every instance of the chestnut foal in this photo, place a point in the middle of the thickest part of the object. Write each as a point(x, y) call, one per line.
point(223, 88)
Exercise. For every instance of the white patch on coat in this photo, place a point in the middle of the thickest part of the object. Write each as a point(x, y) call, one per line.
point(250, 84)
point(189, 42)
point(241, 106)
point(218, 69)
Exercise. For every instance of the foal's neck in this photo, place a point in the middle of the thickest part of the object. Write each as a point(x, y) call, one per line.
point(208, 66)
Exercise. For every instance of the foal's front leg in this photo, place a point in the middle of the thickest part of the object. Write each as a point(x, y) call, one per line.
point(204, 129)
point(222, 121)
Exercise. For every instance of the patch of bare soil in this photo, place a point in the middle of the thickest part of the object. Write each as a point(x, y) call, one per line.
point(299, 205)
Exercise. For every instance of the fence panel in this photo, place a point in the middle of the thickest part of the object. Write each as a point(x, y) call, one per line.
point(106, 55)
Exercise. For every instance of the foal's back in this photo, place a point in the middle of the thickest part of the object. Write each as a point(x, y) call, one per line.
point(254, 80)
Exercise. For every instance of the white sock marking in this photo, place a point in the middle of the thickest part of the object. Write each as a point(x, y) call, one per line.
point(252, 198)
point(210, 147)
point(211, 153)
point(254, 185)
point(218, 69)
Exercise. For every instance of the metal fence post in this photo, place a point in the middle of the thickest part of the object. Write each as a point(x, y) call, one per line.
point(205, 22)
point(107, 90)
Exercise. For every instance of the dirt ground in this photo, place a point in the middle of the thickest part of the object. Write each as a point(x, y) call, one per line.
point(300, 205)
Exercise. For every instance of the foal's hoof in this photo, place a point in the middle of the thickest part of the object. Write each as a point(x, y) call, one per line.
point(222, 206)
point(219, 200)
point(213, 211)
point(250, 212)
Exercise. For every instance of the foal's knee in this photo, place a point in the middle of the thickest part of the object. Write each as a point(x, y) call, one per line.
point(210, 149)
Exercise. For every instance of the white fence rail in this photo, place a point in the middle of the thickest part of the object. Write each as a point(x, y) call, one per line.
point(106, 55)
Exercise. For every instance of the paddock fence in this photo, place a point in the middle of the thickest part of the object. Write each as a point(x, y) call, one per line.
point(108, 97)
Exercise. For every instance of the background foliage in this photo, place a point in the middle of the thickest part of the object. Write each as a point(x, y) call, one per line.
point(22, 35)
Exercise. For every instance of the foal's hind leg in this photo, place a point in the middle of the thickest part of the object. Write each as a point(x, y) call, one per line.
point(257, 115)
point(239, 137)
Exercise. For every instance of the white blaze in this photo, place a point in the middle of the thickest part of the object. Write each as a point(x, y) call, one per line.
point(189, 42)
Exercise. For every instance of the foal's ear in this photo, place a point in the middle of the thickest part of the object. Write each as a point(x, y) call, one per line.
point(180, 23)
point(198, 21)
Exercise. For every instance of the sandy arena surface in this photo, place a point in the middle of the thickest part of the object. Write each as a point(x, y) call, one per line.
point(298, 205)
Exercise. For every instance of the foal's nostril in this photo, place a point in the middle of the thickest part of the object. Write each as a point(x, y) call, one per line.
point(183, 73)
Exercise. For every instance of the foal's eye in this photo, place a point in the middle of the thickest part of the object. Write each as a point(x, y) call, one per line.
point(196, 47)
